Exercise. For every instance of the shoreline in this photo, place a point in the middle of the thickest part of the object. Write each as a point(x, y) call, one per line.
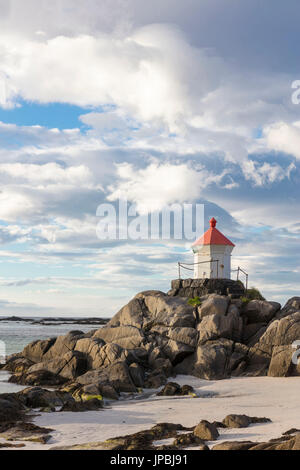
point(274, 398)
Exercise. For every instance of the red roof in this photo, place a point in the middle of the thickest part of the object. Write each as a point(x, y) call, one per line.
point(213, 236)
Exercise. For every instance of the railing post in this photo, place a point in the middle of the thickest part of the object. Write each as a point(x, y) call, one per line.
point(179, 271)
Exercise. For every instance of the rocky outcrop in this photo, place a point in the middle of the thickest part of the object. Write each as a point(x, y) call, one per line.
point(260, 311)
point(210, 361)
point(156, 336)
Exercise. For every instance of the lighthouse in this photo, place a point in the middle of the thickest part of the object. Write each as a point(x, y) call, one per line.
point(212, 254)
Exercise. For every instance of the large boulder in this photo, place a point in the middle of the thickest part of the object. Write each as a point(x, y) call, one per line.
point(279, 333)
point(281, 364)
point(218, 326)
point(260, 311)
point(211, 360)
point(100, 354)
point(69, 366)
point(35, 351)
point(63, 344)
point(11, 409)
point(117, 375)
point(214, 304)
point(37, 397)
point(292, 306)
point(253, 332)
point(128, 337)
point(150, 307)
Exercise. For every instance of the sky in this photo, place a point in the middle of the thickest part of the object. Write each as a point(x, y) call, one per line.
point(156, 103)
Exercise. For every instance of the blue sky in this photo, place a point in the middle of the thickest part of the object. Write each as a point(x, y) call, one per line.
point(156, 103)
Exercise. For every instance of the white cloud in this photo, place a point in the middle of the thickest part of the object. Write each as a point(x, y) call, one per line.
point(160, 184)
point(284, 137)
point(266, 173)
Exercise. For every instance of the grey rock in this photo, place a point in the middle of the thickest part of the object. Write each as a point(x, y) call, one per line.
point(128, 337)
point(68, 366)
point(137, 375)
point(260, 311)
point(281, 362)
point(214, 305)
point(210, 361)
point(206, 431)
point(218, 326)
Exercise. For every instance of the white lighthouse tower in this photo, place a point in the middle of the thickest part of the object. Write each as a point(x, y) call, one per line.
point(212, 254)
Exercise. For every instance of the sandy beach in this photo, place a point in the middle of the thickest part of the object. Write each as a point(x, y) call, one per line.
point(274, 398)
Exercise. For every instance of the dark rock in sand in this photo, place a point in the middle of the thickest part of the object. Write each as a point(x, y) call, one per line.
point(39, 377)
point(188, 440)
point(206, 431)
point(242, 421)
point(234, 445)
point(37, 397)
point(77, 406)
point(172, 388)
point(25, 432)
point(11, 409)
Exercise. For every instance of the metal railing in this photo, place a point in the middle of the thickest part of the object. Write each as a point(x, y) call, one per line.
point(238, 271)
point(184, 266)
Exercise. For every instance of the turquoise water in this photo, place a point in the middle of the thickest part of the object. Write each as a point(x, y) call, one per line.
point(16, 335)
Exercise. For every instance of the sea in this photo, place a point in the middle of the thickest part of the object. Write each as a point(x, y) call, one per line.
point(15, 335)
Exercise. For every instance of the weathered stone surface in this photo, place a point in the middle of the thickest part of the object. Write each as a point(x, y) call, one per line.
point(172, 388)
point(35, 351)
point(18, 365)
point(37, 397)
point(201, 287)
point(206, 431)
point(38, 377)
point(242, 421)
point(189, 440)
point(23, 431)
point(151, 307)
point(142, 440)
point(128, 337)
point(253, 332)
point(116, 374)
point(234, 445)
point(155, 380)
point(63, 345)
point(260, 311)
point(218, 326)
point(69, 366)
point(237, 421)
point(279, 333)
point(78, 406)
point(137, 375)
point(281, 362)
point(292, 306)
point(210, 361)
point(214, 305)
point(11, 409)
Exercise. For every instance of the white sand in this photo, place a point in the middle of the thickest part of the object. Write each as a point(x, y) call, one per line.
point(274, 398)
